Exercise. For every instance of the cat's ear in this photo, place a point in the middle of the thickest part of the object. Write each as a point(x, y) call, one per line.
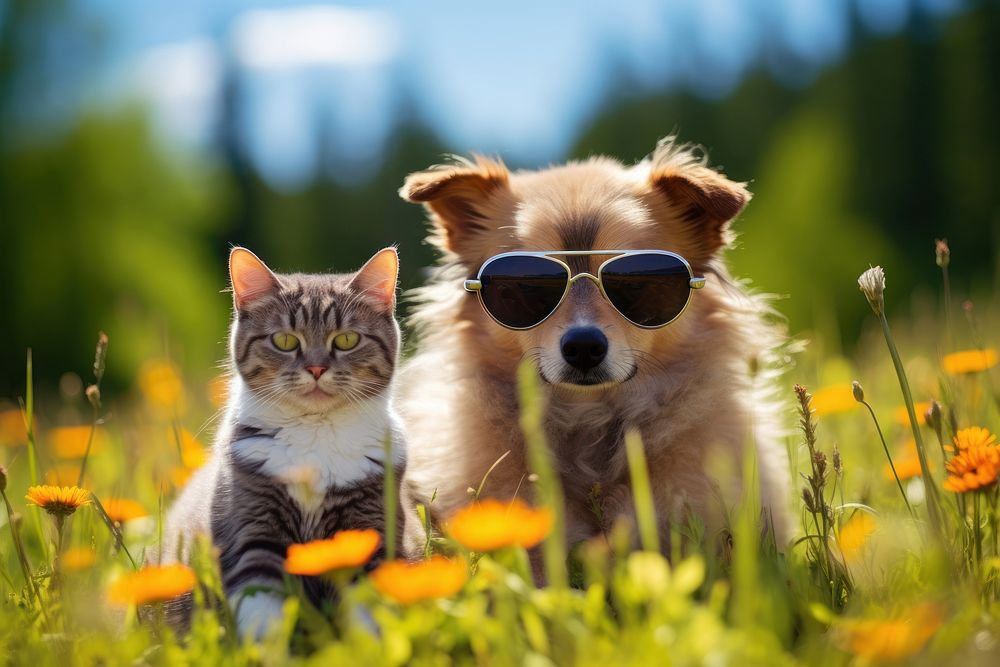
point(250, 277)
point(377, 278)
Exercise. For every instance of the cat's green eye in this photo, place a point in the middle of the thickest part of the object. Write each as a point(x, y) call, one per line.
point(285, 341)
point(346, 340)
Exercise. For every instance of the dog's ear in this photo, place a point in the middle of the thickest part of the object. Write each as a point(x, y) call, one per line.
point(704, 199)
point(462, 199)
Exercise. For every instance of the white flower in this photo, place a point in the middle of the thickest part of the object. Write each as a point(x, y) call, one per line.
point(872, 283)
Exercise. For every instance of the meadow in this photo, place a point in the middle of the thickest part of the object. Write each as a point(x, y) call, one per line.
point(895, 560)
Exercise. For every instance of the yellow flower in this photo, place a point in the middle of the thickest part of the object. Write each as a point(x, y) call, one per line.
point(70, 442)
point(193, 453)
point(58, 500)
point(153, 583)
point(12, 429)
point(974, 436)
point(491, 524)
point(78, 558)
point(347, 548)
point(160, 383)
point(903, 417)
point(853, 536)
point(407, 583)
point(834, 399)
point(969, 361)
point(123, 509)
point(890, 639)
point(973, 469)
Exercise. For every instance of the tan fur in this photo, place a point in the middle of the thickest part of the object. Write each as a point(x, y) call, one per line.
point(692, 397)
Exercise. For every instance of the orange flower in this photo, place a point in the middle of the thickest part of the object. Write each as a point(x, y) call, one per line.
point(407, 583)
point(123, 509)
point(903, 417)
point(890, 639)
point(63, 474)
point(180, 476)
point(78, 558)
point(70, 442)
point(853, 536)
point(906, 467)
point(161, 385)
point(153, 583)
point(907, 463)
point(973, 469)
point(12, 429)
point(834, 399)
point(193, 453)
point(969, 361)
point(491, 524)
point(218, 391)
point(347, 548)
point(58, 500)
point(974, 436)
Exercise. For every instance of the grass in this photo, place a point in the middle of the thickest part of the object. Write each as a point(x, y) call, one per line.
point(888, 565)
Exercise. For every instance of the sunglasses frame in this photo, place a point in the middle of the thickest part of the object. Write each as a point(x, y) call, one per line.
point(476, 284)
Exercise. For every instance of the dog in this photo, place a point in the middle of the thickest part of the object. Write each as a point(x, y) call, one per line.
point(696, 390)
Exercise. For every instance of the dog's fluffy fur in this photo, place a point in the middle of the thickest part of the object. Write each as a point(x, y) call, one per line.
point(696, 390)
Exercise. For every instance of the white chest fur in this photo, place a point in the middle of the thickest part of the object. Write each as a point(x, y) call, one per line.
point(311, 455)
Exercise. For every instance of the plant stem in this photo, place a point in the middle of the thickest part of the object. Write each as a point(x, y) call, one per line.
point(977, 530)
point(389, 493)
point(549, 489)
point(642, 494)
point(885, 448)
point(930, 491)
point(22, 557)
point(86, 453)
point(947, 307)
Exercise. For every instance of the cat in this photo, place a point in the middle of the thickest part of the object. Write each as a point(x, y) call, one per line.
point(300, 452)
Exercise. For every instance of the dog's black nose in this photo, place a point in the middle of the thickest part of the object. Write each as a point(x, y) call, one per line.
point(584, 347)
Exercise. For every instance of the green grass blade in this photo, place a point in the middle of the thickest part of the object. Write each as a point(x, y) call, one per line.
point(550, 491)
point(642, 493)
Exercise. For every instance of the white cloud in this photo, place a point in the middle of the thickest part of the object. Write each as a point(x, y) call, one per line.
point(181, 81)
point(314, 35)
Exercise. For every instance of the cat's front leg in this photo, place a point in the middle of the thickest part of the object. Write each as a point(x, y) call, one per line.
point(255, 590)
point(256, 613)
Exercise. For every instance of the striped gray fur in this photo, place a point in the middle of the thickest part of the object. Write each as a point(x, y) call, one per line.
point(300, 451)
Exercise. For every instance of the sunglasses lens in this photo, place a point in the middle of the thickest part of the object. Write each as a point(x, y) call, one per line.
point(648, 289)
point(519, 291)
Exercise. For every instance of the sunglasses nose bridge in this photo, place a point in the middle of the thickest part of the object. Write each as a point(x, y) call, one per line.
point(585, 275)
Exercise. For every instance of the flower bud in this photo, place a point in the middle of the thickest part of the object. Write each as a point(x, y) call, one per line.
point(838, 464)
point(933, 416)
point(94, 396)
point(807, 498)
point(872, 284)
point(858, 391)
point(942, 254)
point(3, 479)
point(100, 355)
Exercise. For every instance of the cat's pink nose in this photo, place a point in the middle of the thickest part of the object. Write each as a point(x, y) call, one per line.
point(316, 370)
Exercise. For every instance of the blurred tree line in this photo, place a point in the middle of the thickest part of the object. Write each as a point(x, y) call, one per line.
point(104, 227)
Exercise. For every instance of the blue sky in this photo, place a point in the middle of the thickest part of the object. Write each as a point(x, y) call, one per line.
point(517, 78)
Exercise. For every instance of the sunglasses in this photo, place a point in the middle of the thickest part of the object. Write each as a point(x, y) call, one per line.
point(649, 288)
